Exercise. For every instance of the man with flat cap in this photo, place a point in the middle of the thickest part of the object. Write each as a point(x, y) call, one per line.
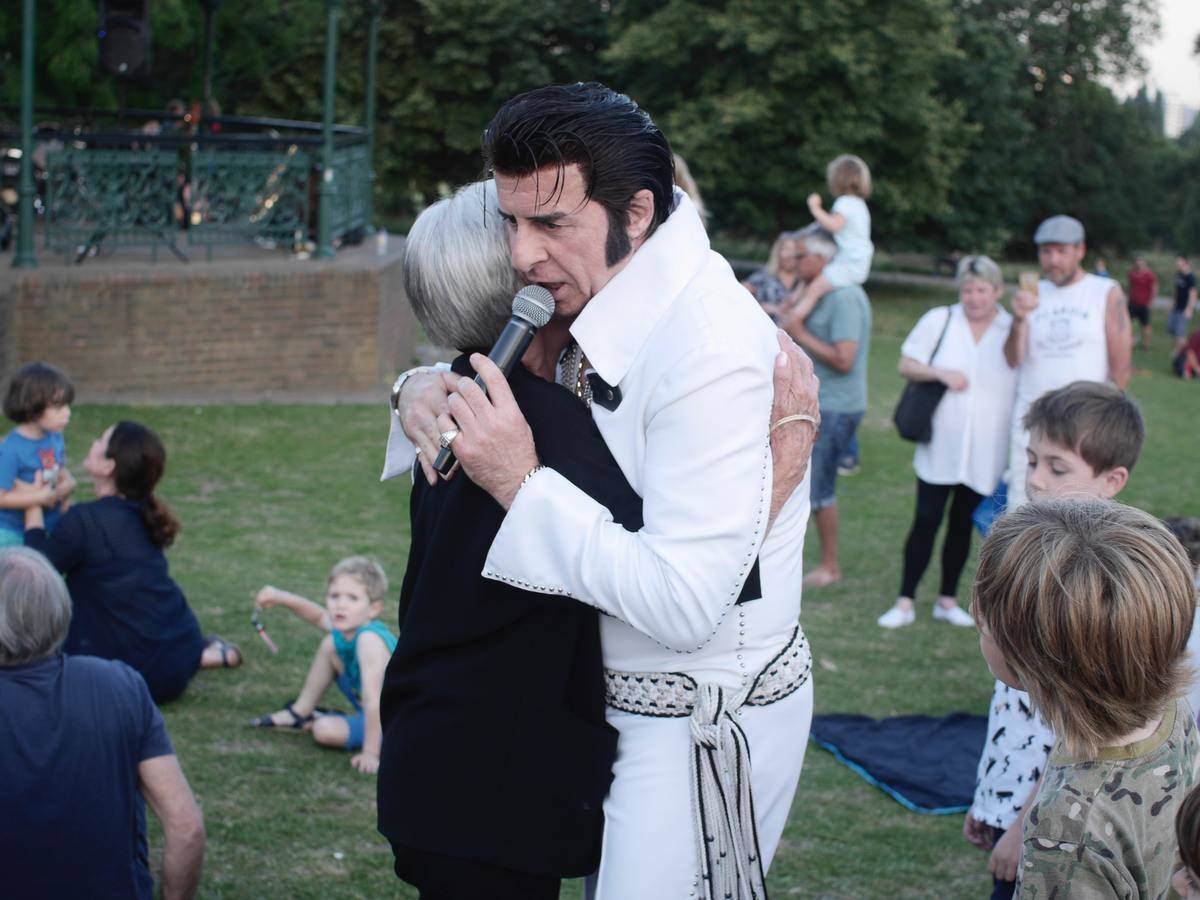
point(1075, 327)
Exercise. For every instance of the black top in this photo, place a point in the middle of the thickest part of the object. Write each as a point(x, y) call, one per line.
point(126, 605)
point(495, 746)
point(73, 730)
point(1184, 282)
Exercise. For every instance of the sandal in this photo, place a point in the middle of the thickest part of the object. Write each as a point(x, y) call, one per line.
point(228, 651)
point(297, 724)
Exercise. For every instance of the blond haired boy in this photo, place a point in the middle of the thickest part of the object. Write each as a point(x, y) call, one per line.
point(1087, 605)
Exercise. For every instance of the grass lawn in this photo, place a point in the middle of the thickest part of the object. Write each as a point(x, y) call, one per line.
point(276, 494)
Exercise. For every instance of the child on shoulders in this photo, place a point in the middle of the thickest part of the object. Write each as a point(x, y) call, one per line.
point(39, 400)
point(354, 655)
point(849, 221)
point(1084, 440)
point(1086, 605)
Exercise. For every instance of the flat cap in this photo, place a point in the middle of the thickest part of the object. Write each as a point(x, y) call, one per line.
point(1059, 230)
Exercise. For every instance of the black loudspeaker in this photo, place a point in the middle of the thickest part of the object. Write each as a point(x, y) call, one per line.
point(125, 37)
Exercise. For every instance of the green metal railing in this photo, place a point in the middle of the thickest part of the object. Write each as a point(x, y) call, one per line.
point(120, 197)
point(249, 196)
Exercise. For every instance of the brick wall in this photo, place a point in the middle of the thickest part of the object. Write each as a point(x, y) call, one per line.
point(238, 330)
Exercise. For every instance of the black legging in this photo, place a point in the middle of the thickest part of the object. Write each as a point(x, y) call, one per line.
point(931, 503)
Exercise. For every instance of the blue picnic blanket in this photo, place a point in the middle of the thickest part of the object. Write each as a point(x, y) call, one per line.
point(926, 764)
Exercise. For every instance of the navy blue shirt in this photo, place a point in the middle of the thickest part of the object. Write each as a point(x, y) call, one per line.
point(126, 605)
point(73, 730)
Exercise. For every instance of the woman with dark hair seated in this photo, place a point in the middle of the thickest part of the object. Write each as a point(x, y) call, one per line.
point(126, 605)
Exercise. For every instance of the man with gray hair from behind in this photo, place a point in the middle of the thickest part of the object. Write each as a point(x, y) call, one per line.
point(82, 745)
point(837, 335)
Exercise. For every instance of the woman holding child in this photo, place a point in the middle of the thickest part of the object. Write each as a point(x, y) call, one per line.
point(962, 346)
point(126, 605)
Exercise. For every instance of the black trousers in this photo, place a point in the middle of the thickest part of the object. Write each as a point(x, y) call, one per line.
point(931, 506)
point(440, 877)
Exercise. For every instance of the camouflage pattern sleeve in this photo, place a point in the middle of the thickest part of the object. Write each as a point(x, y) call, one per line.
point(1051, 870)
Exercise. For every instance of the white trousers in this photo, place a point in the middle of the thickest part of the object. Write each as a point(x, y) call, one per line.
point(649, 850)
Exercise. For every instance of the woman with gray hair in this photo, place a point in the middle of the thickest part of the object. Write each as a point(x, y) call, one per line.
point(83, 746)
point(496, 754)
point(961, 346)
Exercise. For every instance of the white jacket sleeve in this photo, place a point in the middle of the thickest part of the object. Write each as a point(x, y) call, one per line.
point(706, 486)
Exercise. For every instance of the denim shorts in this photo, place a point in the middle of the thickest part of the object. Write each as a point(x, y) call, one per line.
point(1177, 324)
point(833, 443)
point(355, 721)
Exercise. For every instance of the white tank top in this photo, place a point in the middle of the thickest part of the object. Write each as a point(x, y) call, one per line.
point(1066, 338)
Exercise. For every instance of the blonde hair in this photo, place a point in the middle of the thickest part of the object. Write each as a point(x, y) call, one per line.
point(848, 174)
point(777, 250)
point(684, 179)
point(368, 572)
point(1090, 603)
point(979, 268)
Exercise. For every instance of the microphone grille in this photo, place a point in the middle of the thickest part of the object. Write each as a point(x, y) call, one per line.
point(534, 303)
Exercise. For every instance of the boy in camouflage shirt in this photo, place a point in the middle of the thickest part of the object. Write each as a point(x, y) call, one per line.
point(1087, 605)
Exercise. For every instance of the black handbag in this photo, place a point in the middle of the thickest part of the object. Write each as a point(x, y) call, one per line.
point(914, 412)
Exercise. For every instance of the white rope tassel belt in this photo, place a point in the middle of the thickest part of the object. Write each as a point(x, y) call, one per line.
point(722, 799)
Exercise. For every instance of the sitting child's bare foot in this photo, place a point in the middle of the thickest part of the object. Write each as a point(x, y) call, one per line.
point(822, 576)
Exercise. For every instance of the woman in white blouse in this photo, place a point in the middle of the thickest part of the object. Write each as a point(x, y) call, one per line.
point(969, 449)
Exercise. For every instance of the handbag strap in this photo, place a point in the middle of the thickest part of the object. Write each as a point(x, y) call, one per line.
point(938, 345)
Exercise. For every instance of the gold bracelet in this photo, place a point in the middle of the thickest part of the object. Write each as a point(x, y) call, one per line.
point(799, 417)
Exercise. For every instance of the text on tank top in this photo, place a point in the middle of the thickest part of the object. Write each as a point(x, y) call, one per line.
point(1066, 337)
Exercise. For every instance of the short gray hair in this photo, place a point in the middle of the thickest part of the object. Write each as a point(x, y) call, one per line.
point(457, 272)
point(35, 608)
point(979, 268)
point(817, 240)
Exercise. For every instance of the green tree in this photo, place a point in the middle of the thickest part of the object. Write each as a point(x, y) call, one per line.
point(760, 94)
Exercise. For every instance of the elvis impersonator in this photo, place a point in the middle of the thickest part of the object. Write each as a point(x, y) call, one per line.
point(708, 673)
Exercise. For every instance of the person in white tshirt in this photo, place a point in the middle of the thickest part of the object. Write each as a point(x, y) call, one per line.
point(962, 346)
point(1074, 328)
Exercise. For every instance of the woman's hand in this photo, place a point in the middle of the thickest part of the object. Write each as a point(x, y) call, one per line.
point(65, 486)
point(35, 493)
point(952, 379)
point(365, 763)
point(1006, 855)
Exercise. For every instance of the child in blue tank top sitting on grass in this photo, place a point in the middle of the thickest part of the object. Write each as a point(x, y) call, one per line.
point(353, 655)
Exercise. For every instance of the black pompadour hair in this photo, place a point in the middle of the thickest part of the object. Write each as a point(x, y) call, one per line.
point(615, 143)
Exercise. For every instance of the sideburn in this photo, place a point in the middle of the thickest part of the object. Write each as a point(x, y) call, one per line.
point(617, 245)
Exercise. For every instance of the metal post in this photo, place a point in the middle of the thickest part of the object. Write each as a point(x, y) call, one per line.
point(24, 256)
point(373, 10)
point(333, 9)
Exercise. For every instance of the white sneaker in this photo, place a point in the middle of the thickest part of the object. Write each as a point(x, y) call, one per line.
point(955, 615)
point(897, 617)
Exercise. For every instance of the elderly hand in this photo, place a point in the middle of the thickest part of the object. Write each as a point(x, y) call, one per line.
point(796, 392)
point(494, 443)
point(1024, 303)
point(422, 399)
